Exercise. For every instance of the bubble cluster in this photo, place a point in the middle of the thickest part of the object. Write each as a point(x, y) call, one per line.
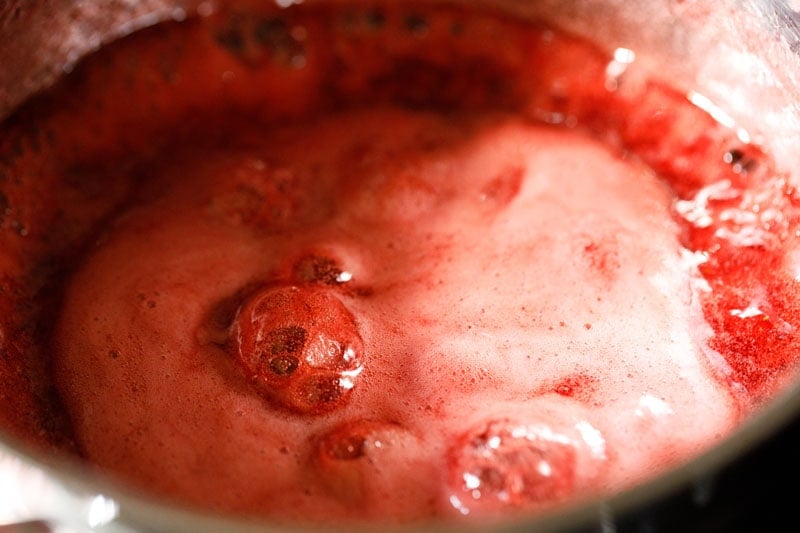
point(505, 464)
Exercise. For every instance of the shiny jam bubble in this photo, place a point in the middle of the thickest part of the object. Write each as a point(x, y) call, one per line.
point(299, 346)
point(362, 462)
point(502, 464)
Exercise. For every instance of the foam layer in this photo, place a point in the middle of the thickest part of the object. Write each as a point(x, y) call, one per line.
point(530, 333)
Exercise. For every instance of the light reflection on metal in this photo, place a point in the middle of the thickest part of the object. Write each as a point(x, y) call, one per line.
point(102, 511)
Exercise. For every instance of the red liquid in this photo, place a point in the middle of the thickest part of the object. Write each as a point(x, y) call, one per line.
point(389, 263)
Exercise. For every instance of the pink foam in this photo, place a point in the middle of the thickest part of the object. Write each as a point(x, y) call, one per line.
point(501, 274)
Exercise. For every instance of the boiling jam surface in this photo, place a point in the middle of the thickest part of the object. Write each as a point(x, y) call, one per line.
point(389, 263)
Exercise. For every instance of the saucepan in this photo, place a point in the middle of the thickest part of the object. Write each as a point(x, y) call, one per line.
point(739, 59)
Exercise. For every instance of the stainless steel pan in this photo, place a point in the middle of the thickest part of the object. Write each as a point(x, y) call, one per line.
point(741, 55)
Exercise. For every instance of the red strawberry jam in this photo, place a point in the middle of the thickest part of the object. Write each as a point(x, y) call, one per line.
point(388, 262)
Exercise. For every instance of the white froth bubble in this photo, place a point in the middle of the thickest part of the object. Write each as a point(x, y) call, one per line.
point(748, 312)
point(347, 380)
point(471, 481)
point(691, 260)
point(349, 355)
point(544, 468)
point(716, 112)
point(592, 437)
point(457, 505)
point(623, 57)
point(519, 432)
point(650, 405)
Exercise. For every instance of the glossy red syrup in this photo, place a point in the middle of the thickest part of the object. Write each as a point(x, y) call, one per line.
point(385, 262)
